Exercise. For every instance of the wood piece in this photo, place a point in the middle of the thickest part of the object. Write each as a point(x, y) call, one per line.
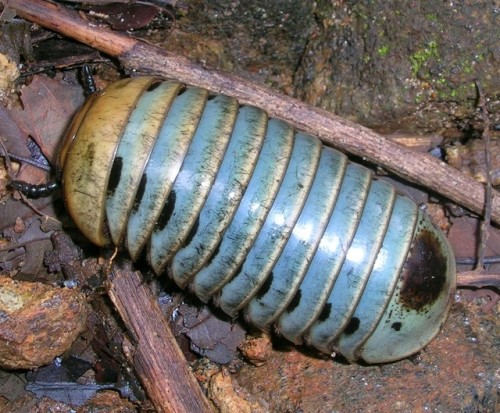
point(139, 56)
point(419, 143)
point(478, 280)
point(157, 358)
point(485, 224)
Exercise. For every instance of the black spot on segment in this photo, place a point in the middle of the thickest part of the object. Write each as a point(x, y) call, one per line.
point(352, 327)
point(295, 301)
point(166, 212)
point(214, 254)
point(424, 274)
point(266, 286)
point(182, 90)
point(124, 84)
point(325, 312)
point(140, 192)
point(238, 271)
point(154, 85)
point(192, 232)
point(115, 175)
point(396, 326)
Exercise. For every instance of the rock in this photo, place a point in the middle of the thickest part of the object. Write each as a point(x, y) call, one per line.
point(458, 371)
point(37, 322)
point(389, 65)
point(229, 397)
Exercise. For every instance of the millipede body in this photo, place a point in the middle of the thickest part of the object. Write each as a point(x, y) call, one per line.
point(246, 211)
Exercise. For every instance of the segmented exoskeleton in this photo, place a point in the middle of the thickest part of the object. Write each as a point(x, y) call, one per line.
point(259, 217)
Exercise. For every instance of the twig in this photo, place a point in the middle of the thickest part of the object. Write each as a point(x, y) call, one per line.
point(139, 56)
point(473, 279)
point(6, 155)
point(487, 157)
point(157, 358)
point(15, 245)
point(23, 159)
point(494, 259)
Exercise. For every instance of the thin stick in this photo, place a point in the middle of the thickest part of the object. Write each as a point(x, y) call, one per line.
point(485, 225)
point(157, 358)
point(352, 138)
point(14, 245)
point(477, 280)
point(23, 159)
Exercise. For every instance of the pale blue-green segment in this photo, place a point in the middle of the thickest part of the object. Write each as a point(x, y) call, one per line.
point(163, 166)
point(195, 179)
point(251, 212)
point(383, 277)
point(302, 244)
point(277, 226)
point(402, 331)
point(134, 149)
point(357, 266)
point(231, 181)
point(329, 257)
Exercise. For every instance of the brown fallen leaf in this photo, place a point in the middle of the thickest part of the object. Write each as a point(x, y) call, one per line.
point(464, 239)
point(210, 336)
point(48, 108)
point(27, 247)
point(126, 16)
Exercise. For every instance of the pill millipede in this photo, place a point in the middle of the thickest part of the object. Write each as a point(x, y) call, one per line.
point(257, 217)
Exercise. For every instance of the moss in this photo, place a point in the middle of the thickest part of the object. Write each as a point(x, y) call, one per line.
point(462, 92)
point(480, 57)
point(422, 55)
point(383, 50)
point(467, 67)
